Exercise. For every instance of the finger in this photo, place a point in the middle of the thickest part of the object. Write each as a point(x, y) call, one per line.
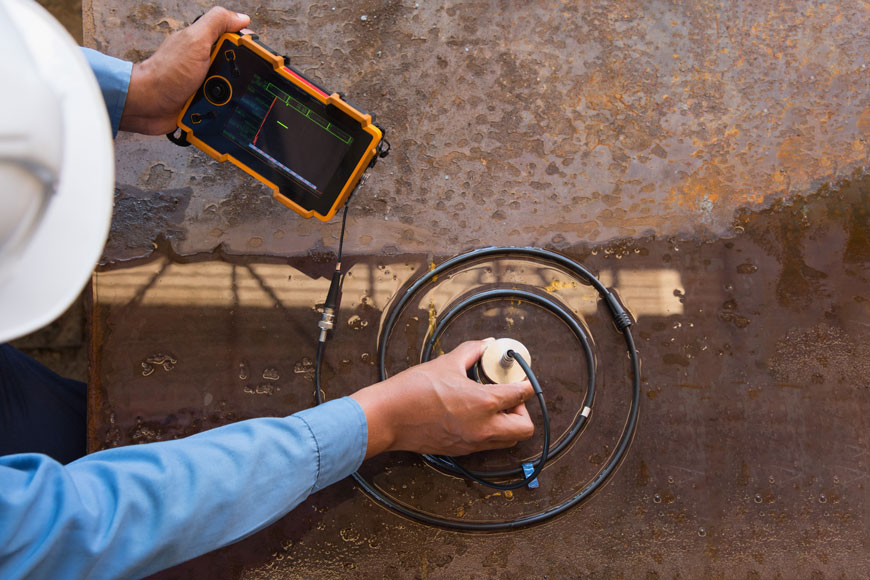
point(469, 352)
point(519, 410)
point(511, 427)
point(512, 395)
point(220, 20)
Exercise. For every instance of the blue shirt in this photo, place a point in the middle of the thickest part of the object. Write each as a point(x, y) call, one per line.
point(131, 511)
point(113, 76)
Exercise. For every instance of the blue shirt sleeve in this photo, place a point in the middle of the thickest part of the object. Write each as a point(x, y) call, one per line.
point(113, 75)
point(131, 511)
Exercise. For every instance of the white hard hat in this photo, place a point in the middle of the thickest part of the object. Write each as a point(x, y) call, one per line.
point(56, 170)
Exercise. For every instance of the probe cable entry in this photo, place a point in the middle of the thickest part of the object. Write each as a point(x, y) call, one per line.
point(623, 323)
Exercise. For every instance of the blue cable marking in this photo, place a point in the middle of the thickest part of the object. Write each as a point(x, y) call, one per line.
point(529, 469)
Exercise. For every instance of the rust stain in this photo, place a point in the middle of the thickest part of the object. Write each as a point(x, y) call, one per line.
point(557, 285)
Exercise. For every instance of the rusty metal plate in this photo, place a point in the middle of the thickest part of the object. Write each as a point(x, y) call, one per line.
point(707, 160)
point(523, 123)
point(750, 456)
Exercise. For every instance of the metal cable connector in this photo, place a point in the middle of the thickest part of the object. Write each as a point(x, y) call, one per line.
point(326, 323)
point(327, 319)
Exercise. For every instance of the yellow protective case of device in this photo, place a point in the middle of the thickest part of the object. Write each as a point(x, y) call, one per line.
point(364, 119)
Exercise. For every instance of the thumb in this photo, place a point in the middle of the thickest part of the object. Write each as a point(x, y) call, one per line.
point(469, 352)
point(219, 20)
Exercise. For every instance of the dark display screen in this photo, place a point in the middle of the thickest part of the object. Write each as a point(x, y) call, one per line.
point(289, 136)
point(273, 126)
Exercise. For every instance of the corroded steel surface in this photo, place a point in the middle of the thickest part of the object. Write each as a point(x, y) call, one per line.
point(751, 454)
point(707, 160)
point(524, 123)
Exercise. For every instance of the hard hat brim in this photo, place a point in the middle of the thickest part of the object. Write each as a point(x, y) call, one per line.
point(58, 260)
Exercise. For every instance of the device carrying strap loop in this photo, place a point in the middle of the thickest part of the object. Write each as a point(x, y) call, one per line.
point(383, 148)
point(180, 141)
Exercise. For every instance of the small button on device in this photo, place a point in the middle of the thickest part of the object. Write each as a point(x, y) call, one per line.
point(230, 55)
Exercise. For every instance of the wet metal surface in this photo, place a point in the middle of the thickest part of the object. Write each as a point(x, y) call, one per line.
point(751, 454)
point(707, 160)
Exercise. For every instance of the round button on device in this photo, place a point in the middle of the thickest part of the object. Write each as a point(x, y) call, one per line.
point(217, 90)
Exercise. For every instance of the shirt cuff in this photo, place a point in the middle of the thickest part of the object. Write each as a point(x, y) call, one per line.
point(113, 76)
point(340, 434)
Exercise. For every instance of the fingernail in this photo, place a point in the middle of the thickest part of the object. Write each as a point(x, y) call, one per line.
point(490, 339)
point(240, 15)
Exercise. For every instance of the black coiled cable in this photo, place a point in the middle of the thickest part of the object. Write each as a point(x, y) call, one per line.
point(621, 319)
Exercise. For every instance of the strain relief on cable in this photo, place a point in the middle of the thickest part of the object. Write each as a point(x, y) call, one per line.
point(620, 315)
point(334, 289)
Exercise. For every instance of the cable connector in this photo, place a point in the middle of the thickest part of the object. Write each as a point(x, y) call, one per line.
point(326, 323)
point(327, 319)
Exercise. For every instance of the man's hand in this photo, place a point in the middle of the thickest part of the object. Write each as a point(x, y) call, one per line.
point(435, 408)
point(161, 84)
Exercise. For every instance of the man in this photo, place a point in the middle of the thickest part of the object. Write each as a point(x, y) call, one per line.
point(131, 511)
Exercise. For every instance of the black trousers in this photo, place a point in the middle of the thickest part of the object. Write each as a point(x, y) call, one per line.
point(40, 411)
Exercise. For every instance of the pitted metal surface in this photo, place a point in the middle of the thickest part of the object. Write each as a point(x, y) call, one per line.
point(531, 124)
point(708, 160)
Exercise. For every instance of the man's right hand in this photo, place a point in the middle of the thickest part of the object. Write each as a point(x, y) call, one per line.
point(435, 408)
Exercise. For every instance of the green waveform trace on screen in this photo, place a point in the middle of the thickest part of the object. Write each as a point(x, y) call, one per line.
point(277, 93)
point(308, 113)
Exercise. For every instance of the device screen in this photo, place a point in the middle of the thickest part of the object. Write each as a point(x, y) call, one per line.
point(285, 135)
point(269, 122)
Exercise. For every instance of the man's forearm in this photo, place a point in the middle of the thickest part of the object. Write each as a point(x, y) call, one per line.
point(131, 511)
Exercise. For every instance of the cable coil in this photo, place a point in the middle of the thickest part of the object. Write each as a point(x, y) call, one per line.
point(621, 319)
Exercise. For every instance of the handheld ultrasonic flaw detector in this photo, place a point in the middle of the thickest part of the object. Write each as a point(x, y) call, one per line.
point(254, 110)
